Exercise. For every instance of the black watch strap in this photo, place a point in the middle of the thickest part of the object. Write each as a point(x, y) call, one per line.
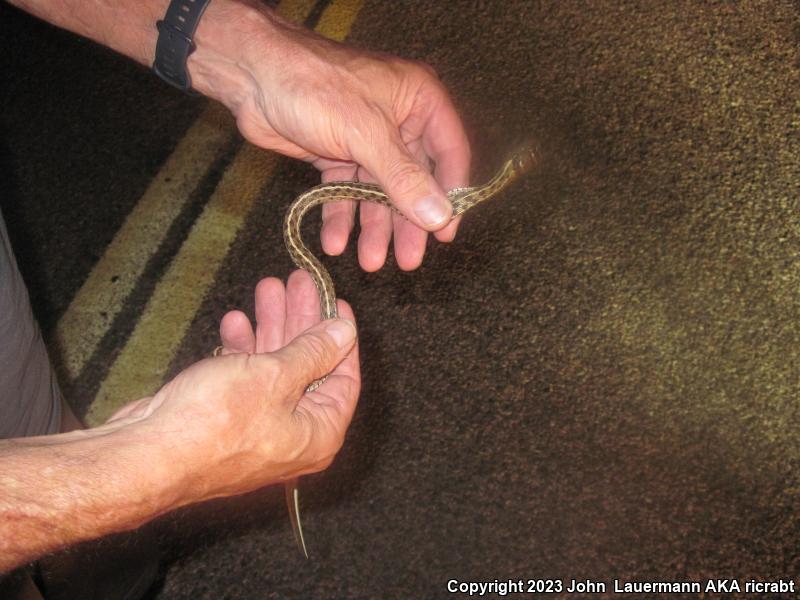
point(175, 43)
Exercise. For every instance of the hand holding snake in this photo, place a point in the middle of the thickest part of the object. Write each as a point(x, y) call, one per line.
point(461, 199)
point(360, 115)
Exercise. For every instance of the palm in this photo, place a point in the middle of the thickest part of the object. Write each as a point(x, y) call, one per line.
point(371, 118)
point(281, 315)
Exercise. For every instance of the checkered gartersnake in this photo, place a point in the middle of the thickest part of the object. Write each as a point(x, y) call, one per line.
point(462, 199)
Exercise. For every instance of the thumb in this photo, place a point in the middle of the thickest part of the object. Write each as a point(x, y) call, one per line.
point(411, 188)
point(314, 354)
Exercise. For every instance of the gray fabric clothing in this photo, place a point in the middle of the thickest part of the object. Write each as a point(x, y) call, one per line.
point(30, 399)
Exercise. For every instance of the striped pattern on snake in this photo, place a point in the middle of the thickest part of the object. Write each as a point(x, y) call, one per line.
point(463, 199)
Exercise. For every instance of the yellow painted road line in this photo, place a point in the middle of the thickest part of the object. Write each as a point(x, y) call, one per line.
point(296, 10)
point(112, 279)
point(140, 368)
point(100, 298)
point(337, 19)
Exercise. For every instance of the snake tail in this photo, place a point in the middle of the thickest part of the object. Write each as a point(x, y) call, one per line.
point(293, 504)
point(521, 162)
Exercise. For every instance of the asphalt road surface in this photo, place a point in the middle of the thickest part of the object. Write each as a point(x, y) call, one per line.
point(597, 380)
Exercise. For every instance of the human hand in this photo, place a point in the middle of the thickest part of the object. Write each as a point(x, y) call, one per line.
point(354, 115)
point(244, 420)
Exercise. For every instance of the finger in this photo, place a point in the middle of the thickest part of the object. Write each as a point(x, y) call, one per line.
point(350, 366)
point(412, 189)
point(376, 229)
point(340, 391)
point(376, 233)
point(410, 240)
point(409, 243)
point(446, 143)
point(270, 314)
point(236, 333)
point(448, 234)
point(337, 217)
point(337, 223)
point(302, 304)
point(313, 354)
point(338, 171)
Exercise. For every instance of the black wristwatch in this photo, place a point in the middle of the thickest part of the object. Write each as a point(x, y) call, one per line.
point(175, 43)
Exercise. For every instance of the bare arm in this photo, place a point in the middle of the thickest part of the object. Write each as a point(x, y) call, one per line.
point(59, 490)
point(224, 426)
point(352, 113)
point(129, 28)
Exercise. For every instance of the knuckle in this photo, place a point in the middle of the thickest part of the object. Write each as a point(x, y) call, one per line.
point(427, 69)
point(313, 354)
point(270, 368)
point(319, 350)
point(414, 68)
point(405, 177)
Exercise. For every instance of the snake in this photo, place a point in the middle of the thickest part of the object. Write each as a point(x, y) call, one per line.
point(462, 199)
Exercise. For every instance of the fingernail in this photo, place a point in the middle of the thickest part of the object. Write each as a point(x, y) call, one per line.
point(342, 331)
point(433, 211)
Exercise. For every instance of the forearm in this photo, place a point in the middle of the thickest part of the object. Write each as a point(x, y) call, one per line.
point(59, 490)
point(218, 66)
point(127, 27)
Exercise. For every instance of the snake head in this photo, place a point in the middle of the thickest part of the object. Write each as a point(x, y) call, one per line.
point(524, 159)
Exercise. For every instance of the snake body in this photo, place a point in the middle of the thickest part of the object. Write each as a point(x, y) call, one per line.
point(462, 199)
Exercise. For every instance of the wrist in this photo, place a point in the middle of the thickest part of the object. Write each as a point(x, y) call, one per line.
point(143, 467)
point(141, 470)
point(231, 38)
point(162, 469)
